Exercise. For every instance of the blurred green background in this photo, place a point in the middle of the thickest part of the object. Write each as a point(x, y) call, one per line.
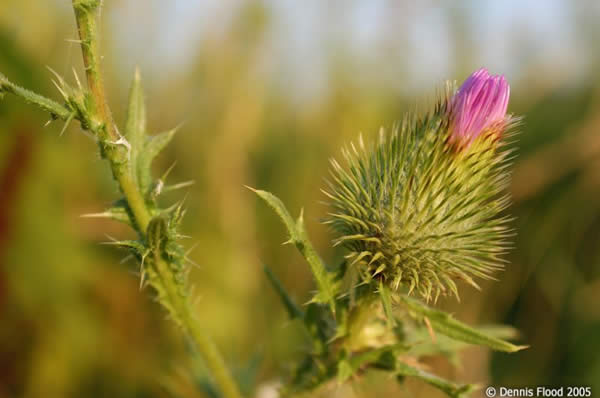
point(268, 91)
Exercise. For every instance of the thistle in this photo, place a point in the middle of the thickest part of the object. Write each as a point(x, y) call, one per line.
point(419, 209)
point(422, 208)
point(162, 260)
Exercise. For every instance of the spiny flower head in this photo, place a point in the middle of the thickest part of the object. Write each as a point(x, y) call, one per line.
point(422, 207)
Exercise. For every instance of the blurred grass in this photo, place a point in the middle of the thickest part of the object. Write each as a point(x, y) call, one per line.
point(72, 319)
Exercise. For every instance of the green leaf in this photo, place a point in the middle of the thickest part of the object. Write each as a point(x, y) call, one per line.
point(344, 371)
point(157, 234)
point(143, 148)
point(421, 344)
point(316, 321)
point(277, 205)
point(247, 375)
point(299, 237)
point(451, 389)
point(53, 107)
point(134, 246)
point(152, 147)
point(348, 367)
point(135, 126)
point(293, 310)
point(445, 324)
point(386, 300)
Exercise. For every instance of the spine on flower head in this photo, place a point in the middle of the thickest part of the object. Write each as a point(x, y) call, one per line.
point(416, 213)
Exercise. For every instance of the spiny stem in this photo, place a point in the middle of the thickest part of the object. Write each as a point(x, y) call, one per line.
point(189, 323)
point(85, 14)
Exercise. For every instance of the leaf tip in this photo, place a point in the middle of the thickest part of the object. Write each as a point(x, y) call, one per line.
point(137, 75)
point(518, 348)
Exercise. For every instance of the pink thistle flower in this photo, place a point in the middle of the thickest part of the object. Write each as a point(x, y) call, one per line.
point(478, 106)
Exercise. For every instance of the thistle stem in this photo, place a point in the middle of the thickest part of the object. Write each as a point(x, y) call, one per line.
point(86, 14)
point(193, 329)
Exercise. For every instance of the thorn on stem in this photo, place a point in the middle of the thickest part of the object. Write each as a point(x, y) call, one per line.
point(67, 123)
point(430, 330)
point(77, 80)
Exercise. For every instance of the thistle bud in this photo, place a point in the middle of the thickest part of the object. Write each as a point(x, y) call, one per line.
point(414, 211)
point(478, 106)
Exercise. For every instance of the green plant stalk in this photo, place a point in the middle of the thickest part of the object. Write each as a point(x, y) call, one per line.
point(192, 328)
point(86, 15)
point(142, 218)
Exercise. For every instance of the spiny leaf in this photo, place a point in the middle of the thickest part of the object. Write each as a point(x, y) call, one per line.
point(247, 376)
point(135, 246)
point(277, 205)
point(157, 234)
point(175, 216)
point(298, 236)
point(135, 126)
point(293, 310)
point(451, 389)
point(316, 322)
point(156, 143)
point(328, 285)
point(143, 148)
point(386, 299)
point(152, 147)
point(344, 371)
point(445, 324)
point(378, 356)
point(54, 108)
point(421, 344)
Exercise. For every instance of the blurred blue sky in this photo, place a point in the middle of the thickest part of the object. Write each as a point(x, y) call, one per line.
point(549, 38)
